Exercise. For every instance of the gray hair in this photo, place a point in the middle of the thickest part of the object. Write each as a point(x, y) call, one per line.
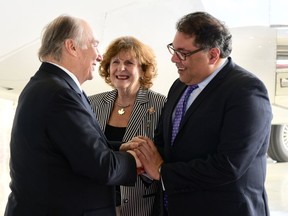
point(56, 32)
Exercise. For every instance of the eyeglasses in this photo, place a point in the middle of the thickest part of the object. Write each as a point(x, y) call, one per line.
point(182, 56)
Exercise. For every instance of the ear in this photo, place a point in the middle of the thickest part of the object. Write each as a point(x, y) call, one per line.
point(70, 47)
point(214, 55)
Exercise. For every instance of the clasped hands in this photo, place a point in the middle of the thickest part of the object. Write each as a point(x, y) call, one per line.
point(146, 155)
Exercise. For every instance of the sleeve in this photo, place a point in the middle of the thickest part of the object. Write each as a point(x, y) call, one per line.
point(76, 135)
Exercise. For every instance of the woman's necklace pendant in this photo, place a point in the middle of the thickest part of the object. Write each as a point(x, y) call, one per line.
point(121, 111)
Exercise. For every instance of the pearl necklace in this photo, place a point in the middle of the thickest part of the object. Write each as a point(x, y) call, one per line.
point(121, 111)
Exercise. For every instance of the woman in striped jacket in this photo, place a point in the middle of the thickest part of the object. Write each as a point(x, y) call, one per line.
point(130, 109)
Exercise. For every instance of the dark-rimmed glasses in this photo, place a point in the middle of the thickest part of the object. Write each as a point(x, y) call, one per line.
point(182, 56)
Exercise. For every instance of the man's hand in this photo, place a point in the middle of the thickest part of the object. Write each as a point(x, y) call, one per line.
point(140, 169)
point(149, 156)
point(130, 145)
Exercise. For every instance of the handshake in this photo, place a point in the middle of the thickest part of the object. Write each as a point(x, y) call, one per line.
point(148, 159)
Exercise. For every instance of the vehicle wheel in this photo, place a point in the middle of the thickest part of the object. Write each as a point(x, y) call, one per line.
point(278, 147)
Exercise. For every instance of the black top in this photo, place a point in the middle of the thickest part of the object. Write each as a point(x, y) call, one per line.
point(115, 136)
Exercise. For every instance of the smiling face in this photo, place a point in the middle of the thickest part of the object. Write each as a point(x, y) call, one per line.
point(195, 68)
point(125, 72)
point(88, 54)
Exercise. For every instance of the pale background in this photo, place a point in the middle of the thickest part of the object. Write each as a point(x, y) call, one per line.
point(152, 21)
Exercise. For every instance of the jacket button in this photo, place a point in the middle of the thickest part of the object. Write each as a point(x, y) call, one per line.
point(125, 200)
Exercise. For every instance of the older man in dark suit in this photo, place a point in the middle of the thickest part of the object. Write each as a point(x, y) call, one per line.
point(213, 160)
point(61, 163)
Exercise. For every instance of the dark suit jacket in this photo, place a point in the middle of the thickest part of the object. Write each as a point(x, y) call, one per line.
point(217, 165)
point(61, 163)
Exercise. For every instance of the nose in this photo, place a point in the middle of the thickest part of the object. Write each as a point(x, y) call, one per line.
point(121, 66)
point(175, 58)
point(99, 57)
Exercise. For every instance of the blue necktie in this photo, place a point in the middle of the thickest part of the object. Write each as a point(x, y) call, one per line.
point(180, 110)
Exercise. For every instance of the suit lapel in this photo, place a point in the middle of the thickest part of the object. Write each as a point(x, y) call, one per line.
point(86, 101)
point(106, 106)
point(212, 85)
point(216, 81)
point(140, 109)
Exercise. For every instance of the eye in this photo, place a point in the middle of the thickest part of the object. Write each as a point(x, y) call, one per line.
point(182, 53)
point(179, 53)
point(115, 61)
point(130, 62)
point(95, 43)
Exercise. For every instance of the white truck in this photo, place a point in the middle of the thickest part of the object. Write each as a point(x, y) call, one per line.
point(264, 51)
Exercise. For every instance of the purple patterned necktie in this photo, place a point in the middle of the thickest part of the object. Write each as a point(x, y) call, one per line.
point(180, 110)
point(179, 113)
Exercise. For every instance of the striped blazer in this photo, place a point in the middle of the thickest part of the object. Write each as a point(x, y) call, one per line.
point(146, 111)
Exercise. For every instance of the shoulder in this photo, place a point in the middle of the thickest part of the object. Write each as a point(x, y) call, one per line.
point(240, 73)
point(235, 76)
point(242, 77)
point(235, 80)
point(107, 96)
point(152, 95)
point(96, 97)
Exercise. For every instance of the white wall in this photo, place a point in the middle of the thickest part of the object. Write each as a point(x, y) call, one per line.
point(7, 110)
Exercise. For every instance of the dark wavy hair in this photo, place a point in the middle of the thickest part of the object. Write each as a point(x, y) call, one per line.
point(209, 32)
